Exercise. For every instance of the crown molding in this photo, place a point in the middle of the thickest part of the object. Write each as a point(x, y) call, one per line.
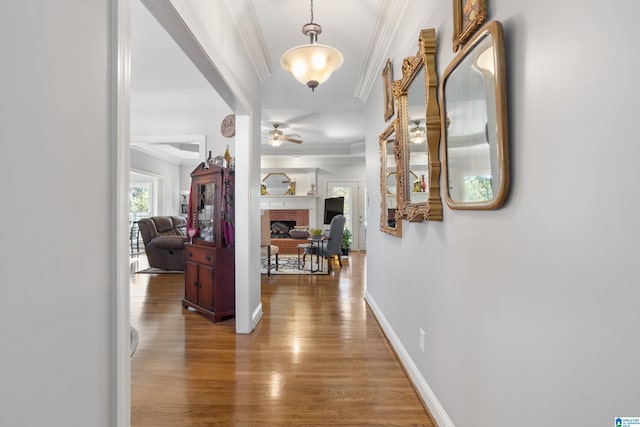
point(387, 26)
point(245, 21)
point(145, 144)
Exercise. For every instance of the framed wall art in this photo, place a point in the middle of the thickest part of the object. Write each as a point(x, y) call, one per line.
point(387, 81)
point(468, 16)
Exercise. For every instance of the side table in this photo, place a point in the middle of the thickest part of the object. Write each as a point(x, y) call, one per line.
point(314, 245)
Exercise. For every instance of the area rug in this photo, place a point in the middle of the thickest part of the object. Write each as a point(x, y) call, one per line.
point(154, 270)
point(133, 337)
point(288, 264)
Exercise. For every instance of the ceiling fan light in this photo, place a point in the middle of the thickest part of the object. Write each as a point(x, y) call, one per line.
point(275, 142)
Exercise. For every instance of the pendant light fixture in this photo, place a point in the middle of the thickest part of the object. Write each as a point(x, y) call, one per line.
point(417, 133)
point(313, 63)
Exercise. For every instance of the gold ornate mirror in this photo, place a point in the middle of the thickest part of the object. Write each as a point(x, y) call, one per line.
point(474, 123)
point(390, 216)
point(419, 123)
point(277, 184)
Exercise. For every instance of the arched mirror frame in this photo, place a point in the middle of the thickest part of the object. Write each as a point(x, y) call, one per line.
point(411, 67)
point(385, 170)
point(492, 29)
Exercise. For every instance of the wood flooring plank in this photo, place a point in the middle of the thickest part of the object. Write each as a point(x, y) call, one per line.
point(317, 358)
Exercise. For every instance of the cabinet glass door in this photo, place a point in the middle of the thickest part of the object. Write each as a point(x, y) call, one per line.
point(206, 212)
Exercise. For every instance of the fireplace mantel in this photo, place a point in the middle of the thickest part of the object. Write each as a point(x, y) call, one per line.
point(291, 203)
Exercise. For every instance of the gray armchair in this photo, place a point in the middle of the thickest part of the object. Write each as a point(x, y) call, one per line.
point(334, 242)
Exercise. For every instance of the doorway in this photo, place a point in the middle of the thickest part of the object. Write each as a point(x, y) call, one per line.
point(354, 209)
point(248, 285)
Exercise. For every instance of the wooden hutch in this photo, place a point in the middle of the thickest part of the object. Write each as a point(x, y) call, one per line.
point(209, 286)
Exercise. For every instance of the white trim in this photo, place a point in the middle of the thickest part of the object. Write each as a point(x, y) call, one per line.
point(138, 141)
point(246, 21)
point(180, 22)
point(387, 26)
point(256, 316)
point(120, 130)
point(247, 245)
point(425, 392)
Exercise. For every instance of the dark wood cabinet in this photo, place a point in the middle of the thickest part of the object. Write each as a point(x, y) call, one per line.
point(209, 286)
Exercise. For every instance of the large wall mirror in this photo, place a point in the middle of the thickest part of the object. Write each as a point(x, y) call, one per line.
point(390, 217)
point(419, 123)
point(474, 123)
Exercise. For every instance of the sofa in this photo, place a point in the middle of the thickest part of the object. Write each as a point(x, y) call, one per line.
point(164, 238)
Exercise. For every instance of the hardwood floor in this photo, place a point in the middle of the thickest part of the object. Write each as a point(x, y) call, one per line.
point(317, 358)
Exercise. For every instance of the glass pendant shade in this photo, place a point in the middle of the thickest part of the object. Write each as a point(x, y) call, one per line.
point(311, 64)
point(417, 134)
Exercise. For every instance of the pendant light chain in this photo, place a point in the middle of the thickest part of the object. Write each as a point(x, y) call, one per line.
point(312, 11)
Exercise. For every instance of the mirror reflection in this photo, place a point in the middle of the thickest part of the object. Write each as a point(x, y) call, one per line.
point(392, 182)
point(389, 215)
point(475, 124)
point(418, 158)
point(277, 184)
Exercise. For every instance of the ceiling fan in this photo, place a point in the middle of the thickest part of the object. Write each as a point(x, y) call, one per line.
point(277, 137)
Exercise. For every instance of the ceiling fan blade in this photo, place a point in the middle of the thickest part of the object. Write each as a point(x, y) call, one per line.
point(295, 141)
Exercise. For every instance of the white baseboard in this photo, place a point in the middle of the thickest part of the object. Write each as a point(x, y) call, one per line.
point(256, 316)
point(426, 394)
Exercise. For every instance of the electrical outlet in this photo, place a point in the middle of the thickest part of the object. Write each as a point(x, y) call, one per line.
point(422, 340)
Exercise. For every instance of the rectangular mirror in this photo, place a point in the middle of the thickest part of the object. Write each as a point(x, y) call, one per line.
point(474, 123)
point(390, 216)
point(419, 133)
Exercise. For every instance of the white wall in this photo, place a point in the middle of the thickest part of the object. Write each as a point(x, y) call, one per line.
point(181, 112)
point(168, 175)
point(531, 311)
point(56, 177)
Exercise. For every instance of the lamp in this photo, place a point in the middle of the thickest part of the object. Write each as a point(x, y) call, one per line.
point(417, 133)
point(311, 64)
point(275, 142)
point(485, 61)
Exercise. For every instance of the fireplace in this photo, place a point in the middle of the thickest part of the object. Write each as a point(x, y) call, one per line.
point(301, 209)
point(280, 228)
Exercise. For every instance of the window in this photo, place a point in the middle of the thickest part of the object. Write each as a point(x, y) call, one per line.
point(477, 188)
point(139, 200)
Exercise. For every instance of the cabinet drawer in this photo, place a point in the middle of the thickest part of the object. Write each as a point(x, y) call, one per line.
point(200, 255)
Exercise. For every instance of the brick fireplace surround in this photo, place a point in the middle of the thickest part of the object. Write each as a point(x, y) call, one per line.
point(301, 209)
point(301, 217)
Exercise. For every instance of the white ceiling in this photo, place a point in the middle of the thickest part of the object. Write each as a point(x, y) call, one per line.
point(329, 120)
